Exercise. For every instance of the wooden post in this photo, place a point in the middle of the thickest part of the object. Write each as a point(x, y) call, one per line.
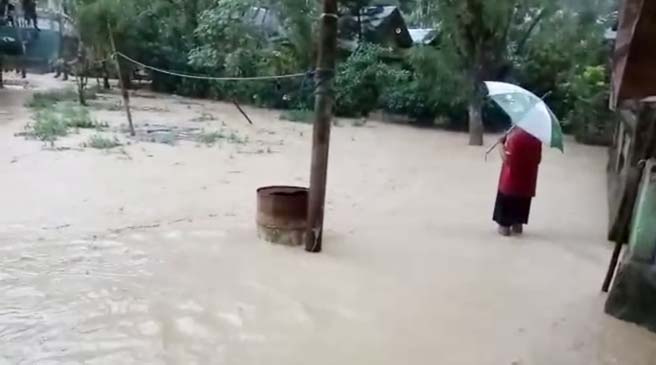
point(323, 109)
point(612, 267)
point(236, 103)
point(2, 70)
point(124, 89)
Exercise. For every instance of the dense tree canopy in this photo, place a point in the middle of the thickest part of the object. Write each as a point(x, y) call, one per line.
point(545, 45)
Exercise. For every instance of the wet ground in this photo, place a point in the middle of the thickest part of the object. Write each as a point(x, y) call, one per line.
point(147, 254)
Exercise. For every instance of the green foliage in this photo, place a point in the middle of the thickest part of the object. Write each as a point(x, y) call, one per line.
point(210, 138)
point(213, 137)
point(298, 115)
point(227, 42)
point(567, 58)
point(47, 99)
point(75, 116)
point(230, 45)
point(102, 143)
point(439, 84)
point(55, 121)
point(543, 45)
point(408, 98)
point(297, 45)
point(592, 121)
point(362, 79)
point(47, 126)
point(562, 48)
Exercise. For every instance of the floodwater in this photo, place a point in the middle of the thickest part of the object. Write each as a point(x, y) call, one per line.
point(148, 254)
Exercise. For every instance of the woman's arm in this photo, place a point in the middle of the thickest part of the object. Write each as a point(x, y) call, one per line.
point(503, 149)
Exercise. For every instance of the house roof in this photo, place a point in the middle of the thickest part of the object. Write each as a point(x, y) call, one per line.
point(634, 74)
point(423, 36)
point(379, 25)
point(265, 19)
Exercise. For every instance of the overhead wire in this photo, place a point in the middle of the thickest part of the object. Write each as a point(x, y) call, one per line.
point(212, 78)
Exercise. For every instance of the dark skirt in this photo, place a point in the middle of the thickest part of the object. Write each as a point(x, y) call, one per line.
point(510, 210)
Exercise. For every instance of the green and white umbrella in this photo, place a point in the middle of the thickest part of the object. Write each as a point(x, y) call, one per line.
point(528, 112)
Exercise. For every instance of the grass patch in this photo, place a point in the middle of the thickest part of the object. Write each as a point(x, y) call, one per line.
point(111, 107)
point(298, 115)
point(47, 127)
point(102, 143)
point(204, 117)
point(47, 99)
point(210, 138)
point(76, 116)
point(214, 137)
point(235, 138)
point(55, 121)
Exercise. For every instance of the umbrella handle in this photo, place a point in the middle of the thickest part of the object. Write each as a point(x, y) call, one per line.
point(487, 153)
point(489, 150)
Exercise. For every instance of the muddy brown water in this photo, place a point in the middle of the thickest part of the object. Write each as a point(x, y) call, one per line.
point(149, 255)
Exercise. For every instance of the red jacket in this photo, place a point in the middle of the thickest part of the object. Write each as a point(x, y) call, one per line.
point(519, 173)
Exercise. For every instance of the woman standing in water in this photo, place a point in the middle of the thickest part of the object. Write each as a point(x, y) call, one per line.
point(521, 154)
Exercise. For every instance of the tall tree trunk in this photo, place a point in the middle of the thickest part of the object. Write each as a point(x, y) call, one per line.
point(476, 129)
point(359, 26)
point(2, 69)
point(81, 78)
point(105, 75)
point(476, 120)
point(81, 86)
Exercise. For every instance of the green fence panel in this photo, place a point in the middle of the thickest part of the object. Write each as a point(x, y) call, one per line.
point(642, 242)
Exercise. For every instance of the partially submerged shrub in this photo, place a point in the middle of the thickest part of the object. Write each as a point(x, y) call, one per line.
point(102, 143)
point(47, 126)
point(211, 138)
point(47, 99)
point(76, 116)
point(55, 121)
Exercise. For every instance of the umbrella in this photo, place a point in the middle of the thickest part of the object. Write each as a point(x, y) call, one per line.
point(528, 112)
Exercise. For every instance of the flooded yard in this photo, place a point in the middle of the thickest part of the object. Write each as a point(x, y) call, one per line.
point(147, 253)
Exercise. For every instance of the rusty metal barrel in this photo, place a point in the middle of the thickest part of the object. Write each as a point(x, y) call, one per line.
point(282, 214)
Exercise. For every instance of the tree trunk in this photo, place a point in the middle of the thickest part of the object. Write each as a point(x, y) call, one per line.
point(82, 79)
point(2, 69)
point(80, 91)
point(476, 120)
point(478, 74)
point(360, 40)
point(105, 74)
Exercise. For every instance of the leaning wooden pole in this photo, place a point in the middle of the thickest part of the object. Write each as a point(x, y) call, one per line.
point(323, 108)
point(612, 267)
point(124, 88)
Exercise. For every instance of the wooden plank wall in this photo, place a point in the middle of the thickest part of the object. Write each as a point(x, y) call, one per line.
point(635, 142)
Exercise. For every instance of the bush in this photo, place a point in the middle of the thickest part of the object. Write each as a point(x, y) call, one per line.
point(47, 99)
point(362, 79)
point(102, 143)
point(298, 115)
point(75, 116)
point(590, 118)
point(407, 98)
point(434, 89)
point(210, 138)
point(213, 137)
point(48, 126)
point(55, 121)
